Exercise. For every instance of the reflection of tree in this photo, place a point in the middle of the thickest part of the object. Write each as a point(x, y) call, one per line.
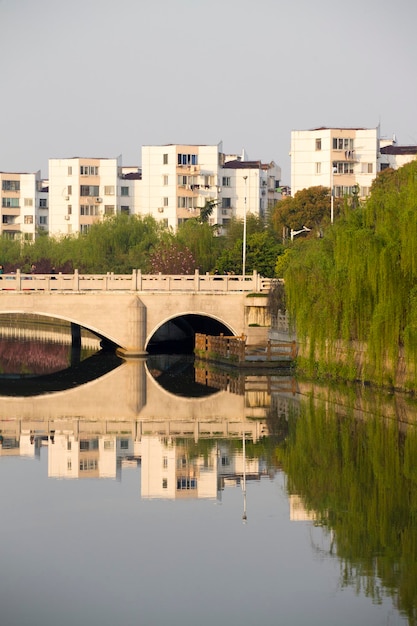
point(360, 478)
point(32, 357)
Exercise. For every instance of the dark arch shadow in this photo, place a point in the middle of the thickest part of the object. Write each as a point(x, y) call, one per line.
point(176, 374)
point(177, 336)
point(91, 368)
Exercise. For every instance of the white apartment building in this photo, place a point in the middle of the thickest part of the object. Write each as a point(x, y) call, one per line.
point(395, 156)
point(83, 190)
point(178, 180)
point(338, 158)
point(247, 186)
point(24, 205)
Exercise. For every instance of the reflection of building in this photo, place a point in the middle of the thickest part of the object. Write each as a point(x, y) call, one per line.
point(176, 471)
point(298, 512)
point(24, 444)
point(87, 457)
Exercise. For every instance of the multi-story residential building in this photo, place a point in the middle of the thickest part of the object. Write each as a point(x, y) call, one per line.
point(24, 205)
point(247, 186)
point(83, 190)
point(178, 180)
point(395, 156)
point(343, 159)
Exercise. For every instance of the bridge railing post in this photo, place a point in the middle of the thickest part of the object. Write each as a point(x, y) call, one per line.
point(18, 280)
point(197, 280)
point(76, 280)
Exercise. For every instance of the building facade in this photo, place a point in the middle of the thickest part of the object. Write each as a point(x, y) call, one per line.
point(24, 205)
point(178, 180)
point(84, 190)
point(342, 159)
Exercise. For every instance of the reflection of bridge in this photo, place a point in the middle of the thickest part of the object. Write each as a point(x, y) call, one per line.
point(129, 400)
point(129, 310)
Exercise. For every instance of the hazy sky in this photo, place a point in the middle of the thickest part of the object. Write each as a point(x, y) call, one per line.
point(102, 78)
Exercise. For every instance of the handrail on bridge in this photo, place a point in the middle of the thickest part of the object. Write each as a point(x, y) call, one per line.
point(136, 281)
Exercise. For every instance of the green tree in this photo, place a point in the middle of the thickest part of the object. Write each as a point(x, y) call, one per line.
point(262, 251)
point(199, 237)
point(309, 207)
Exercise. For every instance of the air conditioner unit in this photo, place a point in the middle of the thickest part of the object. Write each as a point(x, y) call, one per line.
point(161, 209)
point(66, 217)
point(99, 200)
point(67, 198)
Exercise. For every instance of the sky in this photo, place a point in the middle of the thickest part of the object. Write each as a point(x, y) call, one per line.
point(100, 78)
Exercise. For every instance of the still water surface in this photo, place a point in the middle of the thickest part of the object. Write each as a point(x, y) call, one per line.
point(253, 500)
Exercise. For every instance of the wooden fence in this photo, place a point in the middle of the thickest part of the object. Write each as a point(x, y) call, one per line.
point(235, 351)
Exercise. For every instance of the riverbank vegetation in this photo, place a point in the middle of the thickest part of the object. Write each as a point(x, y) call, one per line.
point(122, 243)
point(352, 294)
point(357, 480)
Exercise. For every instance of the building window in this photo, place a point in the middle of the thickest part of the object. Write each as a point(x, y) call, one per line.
point(343, 168)
point(364, 192)
point(69, 209)
point(109, 209)
point(342, 143)
point(10, 185)
point(28, 202)
point(226, 181)
point(226, 203)
point(84, 228)
point(165, 462)
point(109, 190)
point(89, 190)
point(367, 168)
point(12, 203)
point(124, 444)
point(68, 445)
point(69, 464)
point(186, 483)
point(124, 191)
point(43, 203)
point(187, 159)
point(69, 170)
point(165, 180)
point(165, 483)
point(88, 465)
point(109, 444)
point(165, 201)
point(185, 203)
point(318, 168)
point(43, 220)
point(165, 159)
point(125, 210)
point(341, 192)
point(318, 144)
point(88, 209)
point(69, 190)
point(88, 170)
point(28, 219)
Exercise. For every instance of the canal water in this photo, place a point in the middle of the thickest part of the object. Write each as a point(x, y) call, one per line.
point(161, 492)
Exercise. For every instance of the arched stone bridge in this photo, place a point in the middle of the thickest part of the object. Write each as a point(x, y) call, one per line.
point(128, 310)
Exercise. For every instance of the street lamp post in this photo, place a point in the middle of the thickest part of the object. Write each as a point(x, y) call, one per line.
point(332, 172)
point(245, 178)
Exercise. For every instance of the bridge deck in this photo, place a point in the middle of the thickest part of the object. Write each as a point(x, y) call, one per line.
point(136, 281)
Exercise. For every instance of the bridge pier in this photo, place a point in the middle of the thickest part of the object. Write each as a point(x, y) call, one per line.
point(136, 327)
point(75, 344)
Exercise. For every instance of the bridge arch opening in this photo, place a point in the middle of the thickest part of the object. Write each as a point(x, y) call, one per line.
point(177, 335)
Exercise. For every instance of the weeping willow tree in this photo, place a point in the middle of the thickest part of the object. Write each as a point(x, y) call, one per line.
point(354, 292)
point(358, 479)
